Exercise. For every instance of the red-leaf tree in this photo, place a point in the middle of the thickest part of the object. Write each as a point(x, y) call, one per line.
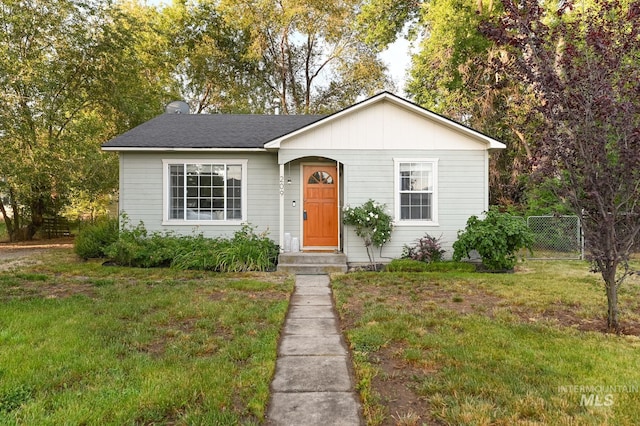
point(583, 64)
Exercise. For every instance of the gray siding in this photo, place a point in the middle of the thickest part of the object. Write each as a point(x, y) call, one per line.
point(141, 191)
point(370, 175)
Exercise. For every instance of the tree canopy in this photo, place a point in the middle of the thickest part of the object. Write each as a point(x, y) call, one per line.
point(584, 70)
point(68, 81)
point(74, 74)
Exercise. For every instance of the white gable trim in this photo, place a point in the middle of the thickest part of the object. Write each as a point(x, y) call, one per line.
point(386, 96)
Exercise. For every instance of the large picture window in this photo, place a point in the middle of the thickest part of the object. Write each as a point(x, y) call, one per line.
point(205, 191)
point(416, 183)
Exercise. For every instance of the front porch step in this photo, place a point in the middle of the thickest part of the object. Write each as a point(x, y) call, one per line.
point(312, 263)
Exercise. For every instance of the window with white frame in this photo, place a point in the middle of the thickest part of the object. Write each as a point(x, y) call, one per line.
point(416, 187)
point(205, 191)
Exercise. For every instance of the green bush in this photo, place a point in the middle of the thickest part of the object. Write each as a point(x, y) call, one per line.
point(372, 223)
point(92, 240)
point(497, 239)
point(136, 247)
point(246, 251)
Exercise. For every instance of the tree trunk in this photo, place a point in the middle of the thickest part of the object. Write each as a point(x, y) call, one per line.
point(38, 207)
point(612, 312)
point(611, 287)
point(7, 221)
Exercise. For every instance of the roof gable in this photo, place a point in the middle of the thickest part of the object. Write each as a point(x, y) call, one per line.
point(376, 127)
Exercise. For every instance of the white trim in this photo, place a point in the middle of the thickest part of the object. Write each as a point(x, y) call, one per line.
point(486, 181)
point(166, 196)
point(178, 149)
point(338, 206)
point(396, 196)
point(386, 96)
point(281, 207)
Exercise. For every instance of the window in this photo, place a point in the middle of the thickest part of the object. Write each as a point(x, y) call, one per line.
point(416, 183)
point(320, 178)
point(205, 191)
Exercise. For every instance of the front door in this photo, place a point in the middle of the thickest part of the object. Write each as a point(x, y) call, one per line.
point(320, 216)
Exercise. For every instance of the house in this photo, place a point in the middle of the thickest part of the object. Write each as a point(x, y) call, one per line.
point(293, 174)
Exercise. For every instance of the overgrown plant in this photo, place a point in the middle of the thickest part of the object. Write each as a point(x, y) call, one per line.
point(426, 249)
point(245, 251)
point(92, 240)
point(497, 238)
point(371, 223)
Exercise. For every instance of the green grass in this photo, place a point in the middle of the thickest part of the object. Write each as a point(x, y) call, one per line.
point(506, 357)
point(81, 343)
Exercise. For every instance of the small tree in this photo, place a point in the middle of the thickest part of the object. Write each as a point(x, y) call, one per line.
point(371, 223)
point(497, 239)
point(582, 64)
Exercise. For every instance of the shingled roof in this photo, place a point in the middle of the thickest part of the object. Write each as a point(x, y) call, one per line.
point(202, 131)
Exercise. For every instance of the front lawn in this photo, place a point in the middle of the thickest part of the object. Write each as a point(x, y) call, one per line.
point(468, 348)
point(81, 343)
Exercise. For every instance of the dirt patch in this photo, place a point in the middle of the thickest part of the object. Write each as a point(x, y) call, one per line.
point(64, 242)
point(29, 253)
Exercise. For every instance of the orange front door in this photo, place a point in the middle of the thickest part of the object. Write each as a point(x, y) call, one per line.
point(320, 206)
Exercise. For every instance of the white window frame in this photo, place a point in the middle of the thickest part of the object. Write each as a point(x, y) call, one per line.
point(166, 196)
point(397, 187)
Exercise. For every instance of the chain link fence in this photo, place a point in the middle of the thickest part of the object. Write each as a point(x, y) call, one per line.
point(556, 237)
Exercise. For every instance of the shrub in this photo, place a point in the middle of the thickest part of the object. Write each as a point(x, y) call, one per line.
point(136, 247)
point(92, 240)
point(246, 251)
point(497, 239)
point(426, 249)
point(372, 223)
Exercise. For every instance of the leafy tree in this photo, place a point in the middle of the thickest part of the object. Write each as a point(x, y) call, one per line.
point(382, 21)
point(211, 59)
point(308, 54)
point(69, 80)
point(450, 74)
point(584, 67)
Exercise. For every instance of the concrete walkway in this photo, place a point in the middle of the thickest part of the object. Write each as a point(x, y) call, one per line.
point(313, 384)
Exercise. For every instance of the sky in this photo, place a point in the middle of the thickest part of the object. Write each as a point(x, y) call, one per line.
point(397, 57)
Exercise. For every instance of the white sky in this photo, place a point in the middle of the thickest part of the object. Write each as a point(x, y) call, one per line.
point(398, 59)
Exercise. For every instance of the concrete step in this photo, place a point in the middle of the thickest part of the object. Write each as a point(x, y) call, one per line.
point(312, 258)
point(311, 268)
point(312, 263)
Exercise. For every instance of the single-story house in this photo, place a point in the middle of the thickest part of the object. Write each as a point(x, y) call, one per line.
point(293, 174)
